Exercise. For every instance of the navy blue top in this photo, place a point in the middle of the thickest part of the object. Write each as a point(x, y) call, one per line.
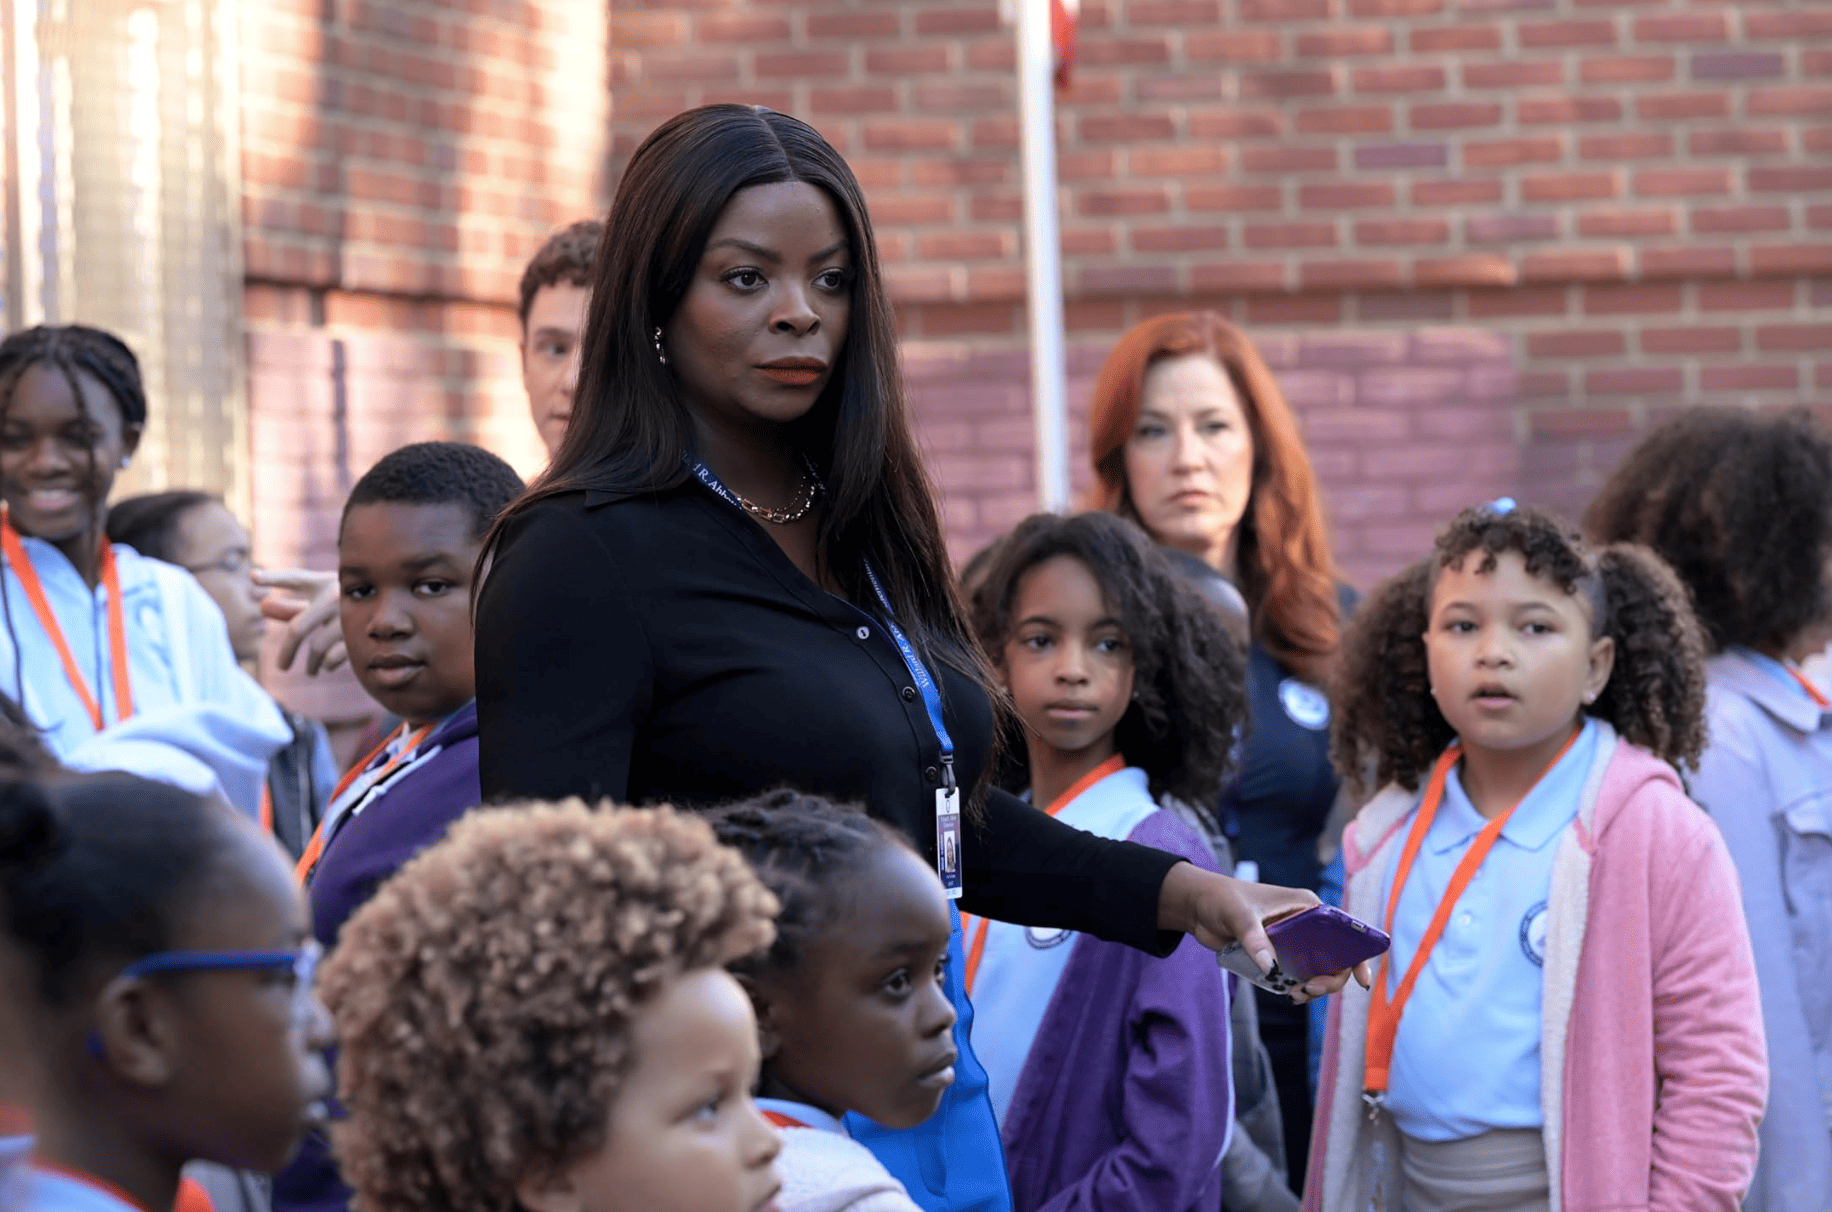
point(408, 815)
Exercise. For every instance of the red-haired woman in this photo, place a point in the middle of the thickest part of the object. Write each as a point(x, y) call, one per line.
point(1192, 439)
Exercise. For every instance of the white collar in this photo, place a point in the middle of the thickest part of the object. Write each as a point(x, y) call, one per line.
point(805, 1115)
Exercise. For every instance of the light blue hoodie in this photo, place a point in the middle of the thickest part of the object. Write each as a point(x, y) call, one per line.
point(1766, 779)
point(199, 720)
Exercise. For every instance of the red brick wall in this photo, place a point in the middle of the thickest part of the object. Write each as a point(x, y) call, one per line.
point(401, 161)
point(1484, 242)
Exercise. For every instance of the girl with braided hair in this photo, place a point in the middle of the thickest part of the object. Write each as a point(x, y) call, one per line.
point(1568, 1016)
point(852, 1005)
point(121, 662)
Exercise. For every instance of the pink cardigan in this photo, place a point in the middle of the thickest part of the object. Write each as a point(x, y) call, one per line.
point(1652, 1049)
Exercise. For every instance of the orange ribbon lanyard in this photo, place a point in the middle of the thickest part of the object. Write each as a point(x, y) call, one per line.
point(784, 1121)
point(117, 625)
point(315, 847)
point(976, 951)
point(1813, 692)
point(1383, 1014)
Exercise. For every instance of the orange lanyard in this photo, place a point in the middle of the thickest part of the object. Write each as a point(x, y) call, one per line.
point(1383, 1014)
point(784, 1121)
point(117, 624)
point(980, 926)
point(315, 847)
point(1813, 692)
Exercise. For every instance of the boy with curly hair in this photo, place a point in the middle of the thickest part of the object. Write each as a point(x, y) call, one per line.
point(1740, 503)
point(535, 1016)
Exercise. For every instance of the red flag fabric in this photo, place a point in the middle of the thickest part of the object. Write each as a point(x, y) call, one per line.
point(1065, 16)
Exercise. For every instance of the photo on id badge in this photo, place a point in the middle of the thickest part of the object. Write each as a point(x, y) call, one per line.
point(948, 840)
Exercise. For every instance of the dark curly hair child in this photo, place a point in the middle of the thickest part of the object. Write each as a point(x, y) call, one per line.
point(535, 1017)
point(1185, 702)
point(852, 999)
point(1740, 503)
point(1557, 905)
point(154, 950)
point(1131, 691)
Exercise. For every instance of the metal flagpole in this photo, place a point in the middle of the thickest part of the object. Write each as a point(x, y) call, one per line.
point(1043, 251)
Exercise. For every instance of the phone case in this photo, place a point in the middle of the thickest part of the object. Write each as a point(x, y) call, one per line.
point(1320, 940)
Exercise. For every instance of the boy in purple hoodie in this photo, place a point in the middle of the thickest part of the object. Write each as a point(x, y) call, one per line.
point(411, 533)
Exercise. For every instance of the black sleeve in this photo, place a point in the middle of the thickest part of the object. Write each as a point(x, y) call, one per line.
point(1026, 867)
point(563, 665)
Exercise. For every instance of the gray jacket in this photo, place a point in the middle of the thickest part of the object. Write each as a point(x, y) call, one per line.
point(1766, 779)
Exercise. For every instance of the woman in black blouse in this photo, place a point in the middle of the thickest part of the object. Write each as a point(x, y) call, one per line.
point(704, 597)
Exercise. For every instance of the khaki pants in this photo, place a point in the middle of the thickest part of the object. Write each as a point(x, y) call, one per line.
point(1499, 1171)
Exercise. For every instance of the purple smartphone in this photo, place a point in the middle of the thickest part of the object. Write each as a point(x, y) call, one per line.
point(1320, 940)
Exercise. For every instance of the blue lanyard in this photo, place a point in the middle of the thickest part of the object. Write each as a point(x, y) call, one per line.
point(931, 697)
point(919, 673)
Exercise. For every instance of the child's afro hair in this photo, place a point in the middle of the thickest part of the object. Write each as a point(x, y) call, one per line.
point(486, 995)
point(1740, 504)
point(1387, 726)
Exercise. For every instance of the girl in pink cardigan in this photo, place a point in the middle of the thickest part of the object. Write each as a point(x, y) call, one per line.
point(1568, 1019)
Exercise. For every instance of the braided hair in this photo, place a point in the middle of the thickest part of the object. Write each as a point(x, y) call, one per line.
point(1386, 720)
point(805, 849)
point(69, 349)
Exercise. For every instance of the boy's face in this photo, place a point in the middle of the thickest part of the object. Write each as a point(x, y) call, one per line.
point(404, 579)
point(864, 1022)
point(684, 1135)
point(550, 356)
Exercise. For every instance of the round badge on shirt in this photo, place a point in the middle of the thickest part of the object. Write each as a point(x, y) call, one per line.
point(1305, 704)
point(1533, 934)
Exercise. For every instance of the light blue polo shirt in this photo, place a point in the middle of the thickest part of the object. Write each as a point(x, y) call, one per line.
point(1466, 1058)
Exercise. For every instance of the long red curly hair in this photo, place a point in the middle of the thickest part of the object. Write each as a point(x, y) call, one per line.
point(1287, 573)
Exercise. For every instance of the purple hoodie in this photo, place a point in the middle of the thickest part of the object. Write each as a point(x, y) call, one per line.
point(411, 813)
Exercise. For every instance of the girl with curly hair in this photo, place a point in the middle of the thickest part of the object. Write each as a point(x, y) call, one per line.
point(1568, 1016)
point(1740, 503)
point(1128, 687)
point(851, 999)
point(157, 954)
point(535, 1017)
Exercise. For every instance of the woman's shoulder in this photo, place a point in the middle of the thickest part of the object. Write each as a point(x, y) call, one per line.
point(631, 527)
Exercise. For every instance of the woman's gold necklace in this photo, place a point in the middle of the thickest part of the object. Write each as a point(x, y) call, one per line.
point(811, 487)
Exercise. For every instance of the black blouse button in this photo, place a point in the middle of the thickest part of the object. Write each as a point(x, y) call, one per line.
point(932, 774)
point(909, 694)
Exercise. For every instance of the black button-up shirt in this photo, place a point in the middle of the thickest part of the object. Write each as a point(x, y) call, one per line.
point(662, 648)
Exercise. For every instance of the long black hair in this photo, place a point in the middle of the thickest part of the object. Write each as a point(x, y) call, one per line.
point(631, 431)
point(1189, 674)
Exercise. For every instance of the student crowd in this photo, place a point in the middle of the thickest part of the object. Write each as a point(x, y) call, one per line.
point(899, 918)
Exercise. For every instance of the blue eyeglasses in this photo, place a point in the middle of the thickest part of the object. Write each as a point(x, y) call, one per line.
point(303, 964)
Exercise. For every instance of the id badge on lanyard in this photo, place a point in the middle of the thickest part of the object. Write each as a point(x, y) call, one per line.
point(950, 841)
point(950, 861)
